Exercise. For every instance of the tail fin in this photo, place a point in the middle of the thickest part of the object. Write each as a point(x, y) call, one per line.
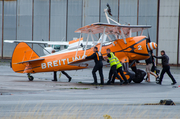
point(22, 53)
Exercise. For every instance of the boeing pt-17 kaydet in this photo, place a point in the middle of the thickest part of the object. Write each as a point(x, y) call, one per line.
point(127, 48)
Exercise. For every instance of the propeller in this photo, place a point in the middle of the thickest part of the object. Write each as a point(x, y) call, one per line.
point(109, 9)
point(148, 39)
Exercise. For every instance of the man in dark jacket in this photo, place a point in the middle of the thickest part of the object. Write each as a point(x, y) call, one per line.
point(166, 67)
point(98, 65)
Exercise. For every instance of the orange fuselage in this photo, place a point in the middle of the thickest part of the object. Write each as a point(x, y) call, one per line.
point(134, 49)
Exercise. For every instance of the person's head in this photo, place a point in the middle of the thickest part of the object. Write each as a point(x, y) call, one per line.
point(95, 49)
point(108, 50)
point(162, 52)
point(53, 51)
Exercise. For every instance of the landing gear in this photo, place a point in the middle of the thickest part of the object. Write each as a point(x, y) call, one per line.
point(129, 75)
point(140, 74)
point(30, 77)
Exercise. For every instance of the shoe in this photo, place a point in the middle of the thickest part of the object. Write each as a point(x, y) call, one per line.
point(94, 83)
point(112, 82)
point(126, 83)
point(173, 83)
point(158, 83)
point(54, 80)
point(157, 79)
point(122, 82)
point(146, 79)
point(108, 83)
point(101, 83)
point(70, 79)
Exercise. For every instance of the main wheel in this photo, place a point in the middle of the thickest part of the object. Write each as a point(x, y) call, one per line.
point(30, 78)
point(139, 76)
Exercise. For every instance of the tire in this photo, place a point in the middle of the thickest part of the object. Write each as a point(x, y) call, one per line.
point(31, 78)
point(140, 76)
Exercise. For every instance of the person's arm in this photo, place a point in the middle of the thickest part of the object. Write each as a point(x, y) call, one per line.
point(109, 55)
point(158, 57)
point(92, 56)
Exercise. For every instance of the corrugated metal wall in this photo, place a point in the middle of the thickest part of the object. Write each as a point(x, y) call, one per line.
point(58, 19)
point(168, 28)
point(10, 31)
point(1, 8)
point(128, 12)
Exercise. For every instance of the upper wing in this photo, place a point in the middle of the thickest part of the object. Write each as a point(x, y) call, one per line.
point(38, 42)
point(96, 28)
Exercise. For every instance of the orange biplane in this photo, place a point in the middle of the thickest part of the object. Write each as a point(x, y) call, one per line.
point(128, 49)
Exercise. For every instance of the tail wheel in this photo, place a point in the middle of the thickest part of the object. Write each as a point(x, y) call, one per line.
point(31, 78)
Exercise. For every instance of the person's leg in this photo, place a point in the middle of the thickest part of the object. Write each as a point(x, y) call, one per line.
point(148, 73)
point(170, 75)
point(113, 79)
point(110, 76)
point(63, 72)
point(55, 76)
point(122, 74)
point(152, 73)
point(148, 76)
point(94, 73)
point(116, 74)
point(101, 74)
point(162, 75)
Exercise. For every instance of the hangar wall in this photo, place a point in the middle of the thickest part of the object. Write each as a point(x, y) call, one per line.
point(168, 28)
point(55, 20)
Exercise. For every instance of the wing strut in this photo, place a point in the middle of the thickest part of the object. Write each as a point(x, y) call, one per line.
point(86, 45)
point(102, 39)
point(78, 45)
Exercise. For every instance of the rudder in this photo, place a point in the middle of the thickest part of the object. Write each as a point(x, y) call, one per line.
point(22, 52)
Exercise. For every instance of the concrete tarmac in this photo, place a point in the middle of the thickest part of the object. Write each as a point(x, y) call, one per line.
point(44, 99)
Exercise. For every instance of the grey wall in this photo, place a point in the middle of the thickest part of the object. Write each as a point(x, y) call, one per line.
point(168, 28)
point(55, 20)
point(1, 27)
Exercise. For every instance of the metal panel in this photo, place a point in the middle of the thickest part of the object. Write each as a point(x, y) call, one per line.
point(74, 18)
point(9, 26)
point(168, 28)
point(90, 11)
point(148, 15)
point(58, 20)
point(24, 20)
point(41, 23)
point(128, 12)
point(114, 9)
point(1, 2)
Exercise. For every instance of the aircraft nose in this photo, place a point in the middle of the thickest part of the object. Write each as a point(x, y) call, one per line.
point(152, 46)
